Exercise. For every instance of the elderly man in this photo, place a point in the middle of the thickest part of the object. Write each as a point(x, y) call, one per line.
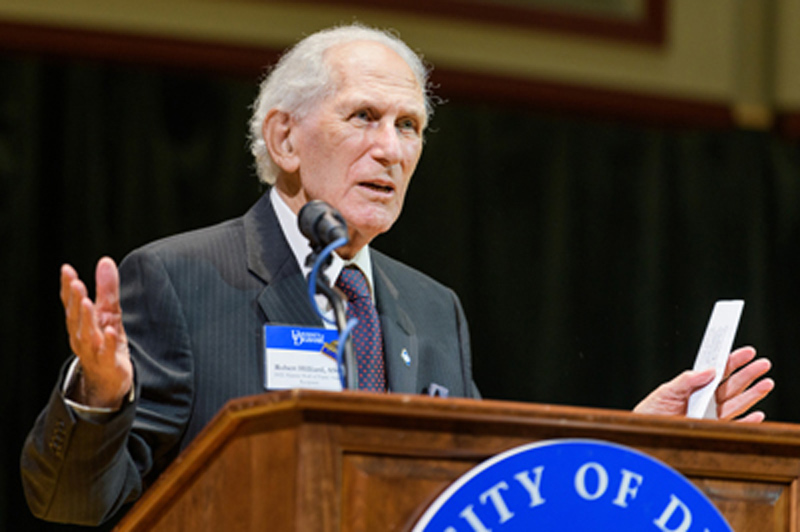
point(178, 330)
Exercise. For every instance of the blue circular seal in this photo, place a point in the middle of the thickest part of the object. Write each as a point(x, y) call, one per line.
point(572, 485)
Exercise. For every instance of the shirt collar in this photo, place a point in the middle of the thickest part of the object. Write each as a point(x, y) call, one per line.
point(301, 248)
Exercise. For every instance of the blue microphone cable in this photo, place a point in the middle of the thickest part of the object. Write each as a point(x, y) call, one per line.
point(345, 331)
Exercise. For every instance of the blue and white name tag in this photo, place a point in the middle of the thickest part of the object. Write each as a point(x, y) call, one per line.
point(300, 357)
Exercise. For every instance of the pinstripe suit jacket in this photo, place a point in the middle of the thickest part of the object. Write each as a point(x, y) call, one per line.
point(194, 307)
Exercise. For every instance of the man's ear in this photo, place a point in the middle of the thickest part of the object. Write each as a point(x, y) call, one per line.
point(277, 133)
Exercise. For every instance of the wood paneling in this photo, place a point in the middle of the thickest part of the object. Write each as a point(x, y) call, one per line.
point(455, 85)
point(302, 460)
point(649, 28)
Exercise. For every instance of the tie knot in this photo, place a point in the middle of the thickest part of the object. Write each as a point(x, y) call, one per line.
point(353, 283)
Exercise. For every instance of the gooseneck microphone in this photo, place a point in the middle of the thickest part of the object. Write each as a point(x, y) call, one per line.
point(326, 229)
point(321, 224)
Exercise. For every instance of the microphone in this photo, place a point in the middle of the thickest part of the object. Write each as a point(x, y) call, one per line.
point(321, 224)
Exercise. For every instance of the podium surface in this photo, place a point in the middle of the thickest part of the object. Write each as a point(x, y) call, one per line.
point(300, 460)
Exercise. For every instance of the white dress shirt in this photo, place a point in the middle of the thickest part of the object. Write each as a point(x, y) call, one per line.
point(302, 248)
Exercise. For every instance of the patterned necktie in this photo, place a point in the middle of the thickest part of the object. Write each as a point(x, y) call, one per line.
point(367, 337)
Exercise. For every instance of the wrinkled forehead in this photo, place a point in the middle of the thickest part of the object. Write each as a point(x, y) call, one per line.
point(353, 62)
point(362, 65)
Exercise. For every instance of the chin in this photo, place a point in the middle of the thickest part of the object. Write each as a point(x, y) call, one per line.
point(372, 226)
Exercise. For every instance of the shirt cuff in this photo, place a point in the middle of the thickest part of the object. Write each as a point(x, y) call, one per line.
point(86, 412)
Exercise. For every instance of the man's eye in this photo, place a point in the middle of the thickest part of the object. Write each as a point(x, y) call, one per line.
point(362, 115)
point(408, 125)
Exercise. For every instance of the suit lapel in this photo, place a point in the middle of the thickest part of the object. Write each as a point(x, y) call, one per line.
point(399, 338)
point(284, 299)
point(285, 302)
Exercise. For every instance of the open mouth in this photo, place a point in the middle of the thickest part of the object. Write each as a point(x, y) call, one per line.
point(385, 189)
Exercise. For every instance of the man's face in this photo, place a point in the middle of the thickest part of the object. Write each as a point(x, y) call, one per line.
point(358, 148)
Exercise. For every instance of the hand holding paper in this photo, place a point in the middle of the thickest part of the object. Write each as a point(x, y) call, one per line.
point(714, 350)
point(735, 395)
point(728, 386)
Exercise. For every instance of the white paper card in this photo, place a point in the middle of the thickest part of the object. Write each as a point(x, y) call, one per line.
point(714, 350)
point(300, 357)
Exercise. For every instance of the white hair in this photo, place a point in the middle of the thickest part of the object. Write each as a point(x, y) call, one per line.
point(302, 78)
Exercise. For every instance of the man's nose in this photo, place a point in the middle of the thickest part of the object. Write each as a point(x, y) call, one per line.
point(387, 144)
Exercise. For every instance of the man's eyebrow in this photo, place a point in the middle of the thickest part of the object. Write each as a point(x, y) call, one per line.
point(408, 105)
point(360, 102)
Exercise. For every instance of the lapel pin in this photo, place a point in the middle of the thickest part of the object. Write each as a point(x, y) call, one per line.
point(405, 356)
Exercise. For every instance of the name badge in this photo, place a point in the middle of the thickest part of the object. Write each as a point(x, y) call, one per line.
point(300, 357)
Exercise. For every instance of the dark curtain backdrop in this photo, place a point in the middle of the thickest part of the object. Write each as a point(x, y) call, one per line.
point(588, 255)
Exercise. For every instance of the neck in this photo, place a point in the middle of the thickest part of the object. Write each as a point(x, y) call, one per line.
point(349, 250)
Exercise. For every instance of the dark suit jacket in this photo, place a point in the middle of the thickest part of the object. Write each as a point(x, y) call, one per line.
point(194, 307)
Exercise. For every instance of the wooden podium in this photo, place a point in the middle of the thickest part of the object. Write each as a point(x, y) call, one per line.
point(315, 461)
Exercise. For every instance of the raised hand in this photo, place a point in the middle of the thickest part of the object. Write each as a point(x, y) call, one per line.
point(97, 337)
